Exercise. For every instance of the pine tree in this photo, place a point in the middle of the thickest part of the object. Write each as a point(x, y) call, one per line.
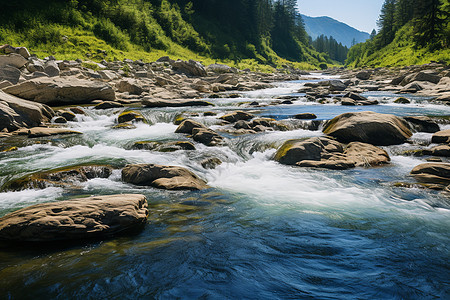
point(386, 22)
point(373, 34)
point(429, 22)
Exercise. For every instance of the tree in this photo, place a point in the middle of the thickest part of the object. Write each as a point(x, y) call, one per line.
point(429, 23)
point(386, 22)
point(373, 34)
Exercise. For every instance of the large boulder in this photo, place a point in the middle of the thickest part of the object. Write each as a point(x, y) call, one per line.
point(333, 85)
point(16, 113)
point(324, 152)
point(295, 151)
point(441, 137)
point(83, 218)
point(219, 68)
point(363, 75)
point(368, 127)
point(433, 173)
point(131, 86)
point(62, 91)
point(163, 177)
point(421, 76)
point(13, 59)
point(207, 136)
point(151, 102)
point(51, 68)
point(190, 67)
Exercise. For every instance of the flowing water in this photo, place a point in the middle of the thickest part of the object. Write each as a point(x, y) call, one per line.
point(263, 231)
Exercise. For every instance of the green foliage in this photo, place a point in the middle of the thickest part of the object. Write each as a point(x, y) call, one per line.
point(106, 30)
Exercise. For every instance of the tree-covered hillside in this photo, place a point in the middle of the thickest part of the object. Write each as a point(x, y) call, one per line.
point(260, 31)
point(411, 32)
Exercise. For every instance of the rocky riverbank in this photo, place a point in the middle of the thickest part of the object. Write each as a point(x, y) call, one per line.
point(32, 92)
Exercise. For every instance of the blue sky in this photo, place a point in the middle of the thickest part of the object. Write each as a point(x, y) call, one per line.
point(361, 14)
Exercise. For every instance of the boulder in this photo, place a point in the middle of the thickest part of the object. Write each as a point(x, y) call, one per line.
point(9, 73)
point(51, 68)
point(68, 115)
point(368, 127)
point(434, 173)
point(402, 100)
point(412, 88)
point(211, 163)
point(18, 50)
point(164, 177)
point(422, 124)
point(441, 150)
point(365, 155)
point(295, 151)
point(59, 120)
point(131, 86)
point(62, 177)
point(76, 219)
point(188, 125)
point(62, 91)
point(13, 59)
point(363, 75)
point(219, 68)
point(441, 137)
point(36, 132)
point(17, 113)
point(237, 116)
point(334, 85)
point(130, 115)
point(108, 105)
point(207, 136)
point(190, 67)
point(355, 96)
point(421, 76)
point(150, 102)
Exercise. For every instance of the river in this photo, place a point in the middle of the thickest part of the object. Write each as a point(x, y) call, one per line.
point(263, 231)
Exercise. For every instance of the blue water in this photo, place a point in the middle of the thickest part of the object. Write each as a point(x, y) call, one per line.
point(263, 231)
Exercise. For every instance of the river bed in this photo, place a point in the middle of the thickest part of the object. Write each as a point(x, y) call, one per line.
point(263, 231)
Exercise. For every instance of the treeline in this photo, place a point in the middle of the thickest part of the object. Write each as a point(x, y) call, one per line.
point(336, 51)
point(232, 29)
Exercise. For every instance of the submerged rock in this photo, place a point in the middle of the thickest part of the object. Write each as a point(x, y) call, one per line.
point(368, 127)
point(164, 147)
point(66, 176)
point(163, 177)
point(150, 102)
point(57, 91)
point(83, 218)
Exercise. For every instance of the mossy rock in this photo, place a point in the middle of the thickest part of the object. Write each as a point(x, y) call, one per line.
point(61, 177)
point(10, 149)
point(130, 115)
point(179, 119)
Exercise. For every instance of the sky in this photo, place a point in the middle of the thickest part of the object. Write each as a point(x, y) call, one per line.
point(360, 14)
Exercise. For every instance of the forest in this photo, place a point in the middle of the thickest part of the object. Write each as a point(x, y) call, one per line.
point(410, 32)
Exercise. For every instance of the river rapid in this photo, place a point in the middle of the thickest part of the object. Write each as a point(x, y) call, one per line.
point(263, 231)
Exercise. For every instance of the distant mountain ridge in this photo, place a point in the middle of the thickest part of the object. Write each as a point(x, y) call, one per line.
point(343, 33)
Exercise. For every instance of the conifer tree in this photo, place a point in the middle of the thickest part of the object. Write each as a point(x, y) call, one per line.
point(429, 22)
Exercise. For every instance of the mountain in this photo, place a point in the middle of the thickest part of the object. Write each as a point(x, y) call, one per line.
point(343, 33)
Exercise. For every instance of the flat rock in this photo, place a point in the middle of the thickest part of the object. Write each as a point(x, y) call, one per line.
point(44, 131)
point(83, 218)
point(151, 102)
point(368, 127)
point(163, 177)
point(62, 91)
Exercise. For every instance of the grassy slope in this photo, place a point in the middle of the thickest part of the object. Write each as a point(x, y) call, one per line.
point(73, 37)
point(401, 52)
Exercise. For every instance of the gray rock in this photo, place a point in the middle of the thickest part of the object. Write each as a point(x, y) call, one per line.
point(422, 124)
point(190, 67)
point(363, 75)
point(51, 68)
point(9, 73)
point(13, 59)
point(129, 85)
